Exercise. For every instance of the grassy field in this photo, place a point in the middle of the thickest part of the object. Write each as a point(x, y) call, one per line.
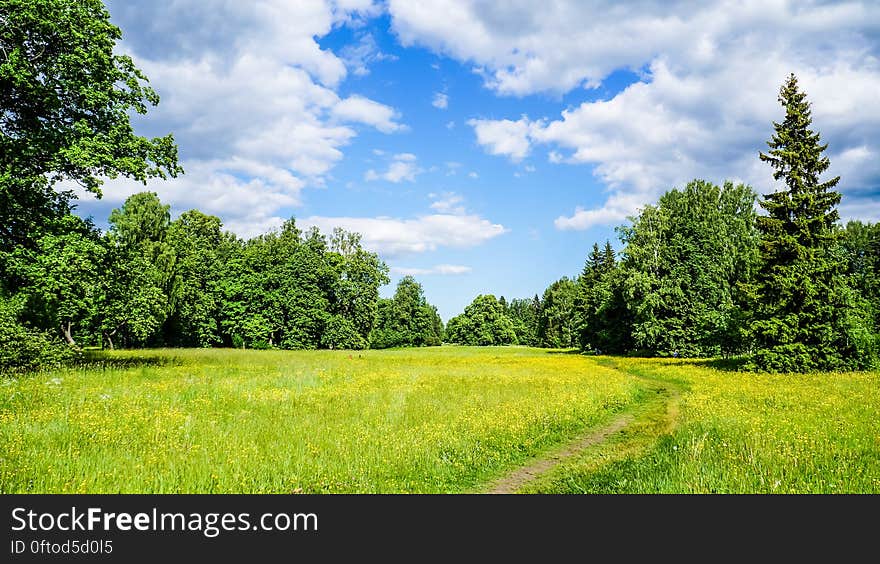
point(430, 420)
point(728, 432)
point(448, 419)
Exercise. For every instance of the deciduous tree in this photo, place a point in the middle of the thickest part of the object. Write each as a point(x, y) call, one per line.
point(65, 104)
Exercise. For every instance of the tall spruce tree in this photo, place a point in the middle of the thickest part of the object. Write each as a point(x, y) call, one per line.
point(803, 311)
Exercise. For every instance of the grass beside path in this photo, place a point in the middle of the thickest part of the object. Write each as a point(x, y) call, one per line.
point(433, 420)
point(417, 420)
point(735, 433)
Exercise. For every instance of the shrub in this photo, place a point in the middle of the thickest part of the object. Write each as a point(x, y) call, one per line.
point(23, 349)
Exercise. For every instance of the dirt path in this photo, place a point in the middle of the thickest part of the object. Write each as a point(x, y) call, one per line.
point(516, 479)
point(666, 392)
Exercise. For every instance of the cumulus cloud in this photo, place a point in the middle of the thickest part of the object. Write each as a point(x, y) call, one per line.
point(394, 237)
point(364, 110)
point(707, 77)
point(250, 96)
point(246, 195)
point(440, 101)
point(504, 137)
point(616, 209)
point(570, 43)
point(442, 269)
point(447, 202)
point(403, 167)
point(664, 142)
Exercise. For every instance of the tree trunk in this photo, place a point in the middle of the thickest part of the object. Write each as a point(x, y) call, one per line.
point(109, 340)
point(68, 336)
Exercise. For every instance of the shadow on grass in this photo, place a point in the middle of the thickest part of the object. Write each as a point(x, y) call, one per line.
point(726, 364)
point(730, 364)
point(100, 360)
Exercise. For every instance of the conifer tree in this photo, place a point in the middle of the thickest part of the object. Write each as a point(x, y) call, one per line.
point(608, 257)
point(802, 311)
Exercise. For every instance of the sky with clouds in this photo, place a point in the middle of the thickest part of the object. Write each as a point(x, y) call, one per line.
point(479, 146)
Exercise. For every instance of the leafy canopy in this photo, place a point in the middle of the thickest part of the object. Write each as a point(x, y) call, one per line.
point(65, 104)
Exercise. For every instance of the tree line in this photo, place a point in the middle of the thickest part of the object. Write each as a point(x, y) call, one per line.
point(66, 101)
point(703, 274)
point(700, 273)
point(151, 281)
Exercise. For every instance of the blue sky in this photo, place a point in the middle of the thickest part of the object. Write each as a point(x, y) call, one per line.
point(481, 146)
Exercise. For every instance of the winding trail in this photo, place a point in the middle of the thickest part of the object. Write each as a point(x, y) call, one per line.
point(521, 476)
point(665, 392)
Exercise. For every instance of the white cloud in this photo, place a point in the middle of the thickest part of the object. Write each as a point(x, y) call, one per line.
point(504, 137)
point(522, 48)
point(649, 138)
point(364, 110)
point(246, 207)
point(862, 209)
point(392, 237)
point(615, 210)
point(402, 167)
point(250, 96)
point(442, 269)
point(440, 100)
point(705, 100)
point(359, 56)
point(447, 202)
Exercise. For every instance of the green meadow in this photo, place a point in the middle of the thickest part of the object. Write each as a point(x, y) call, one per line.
point(431, 420)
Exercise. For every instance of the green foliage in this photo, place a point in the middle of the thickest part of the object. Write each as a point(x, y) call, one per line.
point(355, 276)
point(683, 263)
point(603, 322)
point(293, 290)
point(61, 275)
point(860, 244)
point(23, 348)
point(195, 294)
point(482, 323)
point(142, 220)
point(138, 270)
point(340, 333)
point(407, 320)
point(525, 314)
point(29, 208)
point(804, 316)
point(66, 101)
point(557, 320)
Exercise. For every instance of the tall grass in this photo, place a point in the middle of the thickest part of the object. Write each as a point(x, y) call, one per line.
point(419, 420)
point(448, 419)
point(729, 432)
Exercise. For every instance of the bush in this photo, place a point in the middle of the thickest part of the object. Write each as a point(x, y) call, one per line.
point(23, 349)
point(237, 341)
point(340, 333)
